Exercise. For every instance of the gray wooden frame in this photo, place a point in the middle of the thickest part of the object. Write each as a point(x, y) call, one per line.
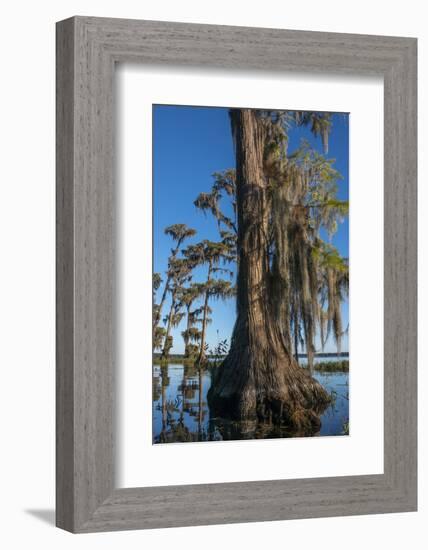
point(87, 50)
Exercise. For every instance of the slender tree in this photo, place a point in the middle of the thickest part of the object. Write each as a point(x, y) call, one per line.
point(281, 263)
point(188, 295)
point(158, 338)
point(179, 233)
point(158, 332)
point(157, 281)
point(179, 274)
point(215, 255)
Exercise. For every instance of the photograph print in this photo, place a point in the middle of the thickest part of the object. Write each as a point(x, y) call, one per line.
point(250, 274)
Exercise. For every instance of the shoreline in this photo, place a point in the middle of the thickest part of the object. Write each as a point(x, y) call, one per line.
point(321, 366)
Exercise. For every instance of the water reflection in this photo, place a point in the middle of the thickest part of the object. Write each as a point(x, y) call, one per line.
point(181, 413)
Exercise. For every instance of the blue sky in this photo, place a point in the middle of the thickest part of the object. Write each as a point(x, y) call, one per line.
point(189, 145)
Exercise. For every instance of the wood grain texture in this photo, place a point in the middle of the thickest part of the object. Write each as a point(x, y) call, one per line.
point(87, 50)
point(64, 276)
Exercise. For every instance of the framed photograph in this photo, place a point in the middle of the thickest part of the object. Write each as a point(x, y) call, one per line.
point(211, 321)
point(236, 274)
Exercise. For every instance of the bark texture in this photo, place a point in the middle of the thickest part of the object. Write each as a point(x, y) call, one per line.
point(260, 379)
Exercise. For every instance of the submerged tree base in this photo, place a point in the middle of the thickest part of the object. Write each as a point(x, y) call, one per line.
point(284, 394)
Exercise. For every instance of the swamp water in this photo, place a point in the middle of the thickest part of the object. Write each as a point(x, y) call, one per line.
point(181, 413)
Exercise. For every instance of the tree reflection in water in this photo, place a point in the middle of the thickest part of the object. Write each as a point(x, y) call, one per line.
point(181, 412)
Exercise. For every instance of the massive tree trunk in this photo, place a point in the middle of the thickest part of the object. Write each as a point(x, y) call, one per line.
point(260, 379)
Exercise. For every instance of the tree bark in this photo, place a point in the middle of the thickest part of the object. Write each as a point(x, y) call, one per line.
point(260, 379)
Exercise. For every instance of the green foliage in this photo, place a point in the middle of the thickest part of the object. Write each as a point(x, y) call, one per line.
point(169, 342)
point(217, 288)
point(224, 186)
point(216, 256)
point(193, 333)
point(158, 336)
point(157, 281)
point(179, 232)
point(332, 366)
point(210, 252)
point(320, 124)
point(307, 273)
point(179, 273)
point(192, 351)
